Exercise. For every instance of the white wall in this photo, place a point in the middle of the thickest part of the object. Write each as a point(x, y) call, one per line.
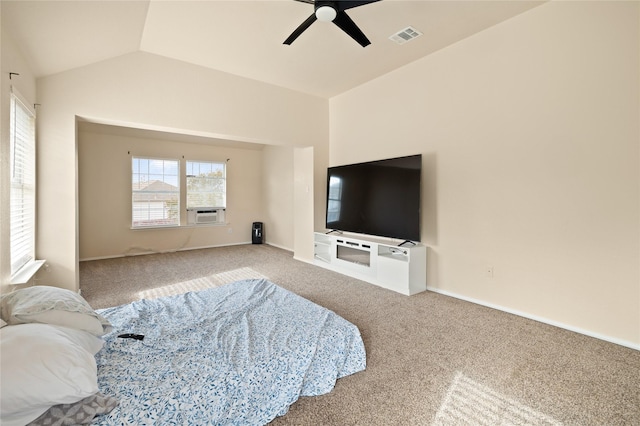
point(530, 135)
point(11, 60)
point(153, 92)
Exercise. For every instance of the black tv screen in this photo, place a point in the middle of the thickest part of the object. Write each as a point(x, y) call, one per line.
point(380, 198)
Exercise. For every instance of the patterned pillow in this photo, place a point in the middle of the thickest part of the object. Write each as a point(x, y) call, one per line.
point(78, 413)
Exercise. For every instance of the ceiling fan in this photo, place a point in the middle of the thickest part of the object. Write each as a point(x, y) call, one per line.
point(329, 11)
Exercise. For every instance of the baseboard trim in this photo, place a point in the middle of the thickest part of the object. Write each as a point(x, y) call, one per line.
point(279, 246)
point(599, 336)
point(117, 256)
point(310, 262)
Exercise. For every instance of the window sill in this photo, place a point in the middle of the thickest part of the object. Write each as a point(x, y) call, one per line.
point(27, 272)
point(188, 225)
point(142, 228)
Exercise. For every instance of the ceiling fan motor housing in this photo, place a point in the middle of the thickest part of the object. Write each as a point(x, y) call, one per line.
point(325, 11)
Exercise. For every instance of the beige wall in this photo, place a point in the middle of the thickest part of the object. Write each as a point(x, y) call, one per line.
point(529, 133)
point(104, 168)
point(530, 137)
point(277, 187)
point(11, 60)
point(260, 188)
point(304, 204)
point(148, 91)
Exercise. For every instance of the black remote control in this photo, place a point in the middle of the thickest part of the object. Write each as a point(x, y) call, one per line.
point(132, 336)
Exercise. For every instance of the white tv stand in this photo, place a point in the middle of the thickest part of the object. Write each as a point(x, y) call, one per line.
point(385, 264)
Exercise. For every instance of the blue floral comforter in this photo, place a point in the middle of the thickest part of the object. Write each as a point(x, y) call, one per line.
point(239, 354)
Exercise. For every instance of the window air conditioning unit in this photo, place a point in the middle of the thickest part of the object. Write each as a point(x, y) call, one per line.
point(209, 216)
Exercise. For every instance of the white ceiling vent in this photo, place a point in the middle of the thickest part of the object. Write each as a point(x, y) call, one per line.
point(405, 35)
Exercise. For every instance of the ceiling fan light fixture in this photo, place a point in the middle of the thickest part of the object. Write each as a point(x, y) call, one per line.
point(326, 13)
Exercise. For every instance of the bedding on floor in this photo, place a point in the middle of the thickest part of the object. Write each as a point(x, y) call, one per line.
point(48, 339)
point(239, 354)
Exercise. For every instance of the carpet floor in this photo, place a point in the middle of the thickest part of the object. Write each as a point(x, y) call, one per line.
point(431, 359)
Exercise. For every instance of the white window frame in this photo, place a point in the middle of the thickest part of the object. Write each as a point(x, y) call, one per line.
point(170, 215)
point(22, 198)
point(197, 170)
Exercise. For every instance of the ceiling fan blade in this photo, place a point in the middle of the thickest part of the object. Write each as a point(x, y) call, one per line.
point(296, 33)
point(350, 4)
point(306, 1)
point(348, 26)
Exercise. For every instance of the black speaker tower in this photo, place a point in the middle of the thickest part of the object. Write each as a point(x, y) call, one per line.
point(257, 233)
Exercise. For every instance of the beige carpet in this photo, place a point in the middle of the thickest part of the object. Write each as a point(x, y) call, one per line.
point(215, 280)
point(431, 359)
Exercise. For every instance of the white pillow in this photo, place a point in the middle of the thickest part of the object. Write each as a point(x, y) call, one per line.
point(84, 339)
point(51, 305)
point(41, 367)
point(2, 323)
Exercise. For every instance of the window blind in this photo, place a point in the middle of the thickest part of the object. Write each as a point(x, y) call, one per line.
point(23, 184)
point(155, 187)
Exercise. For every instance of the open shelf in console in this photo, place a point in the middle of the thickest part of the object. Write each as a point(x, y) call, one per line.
point(395, 253)
point(322, 248)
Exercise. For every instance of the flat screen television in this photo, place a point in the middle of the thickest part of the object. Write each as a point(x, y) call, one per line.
point(380, 198)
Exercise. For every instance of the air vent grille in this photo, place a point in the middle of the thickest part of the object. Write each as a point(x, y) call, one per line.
point(405, 35)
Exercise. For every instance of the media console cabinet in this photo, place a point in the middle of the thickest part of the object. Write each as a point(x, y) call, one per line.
point(398, 268)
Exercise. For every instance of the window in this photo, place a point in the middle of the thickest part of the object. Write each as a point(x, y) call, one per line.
point(206, 185)
point(155, 188)
point(23, 184)
point(334, 199)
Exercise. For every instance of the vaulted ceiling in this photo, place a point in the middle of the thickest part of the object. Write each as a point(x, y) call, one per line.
point(246, 37)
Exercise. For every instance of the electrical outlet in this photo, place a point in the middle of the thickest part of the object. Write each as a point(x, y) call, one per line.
point(489, 271)
point(230, 230)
